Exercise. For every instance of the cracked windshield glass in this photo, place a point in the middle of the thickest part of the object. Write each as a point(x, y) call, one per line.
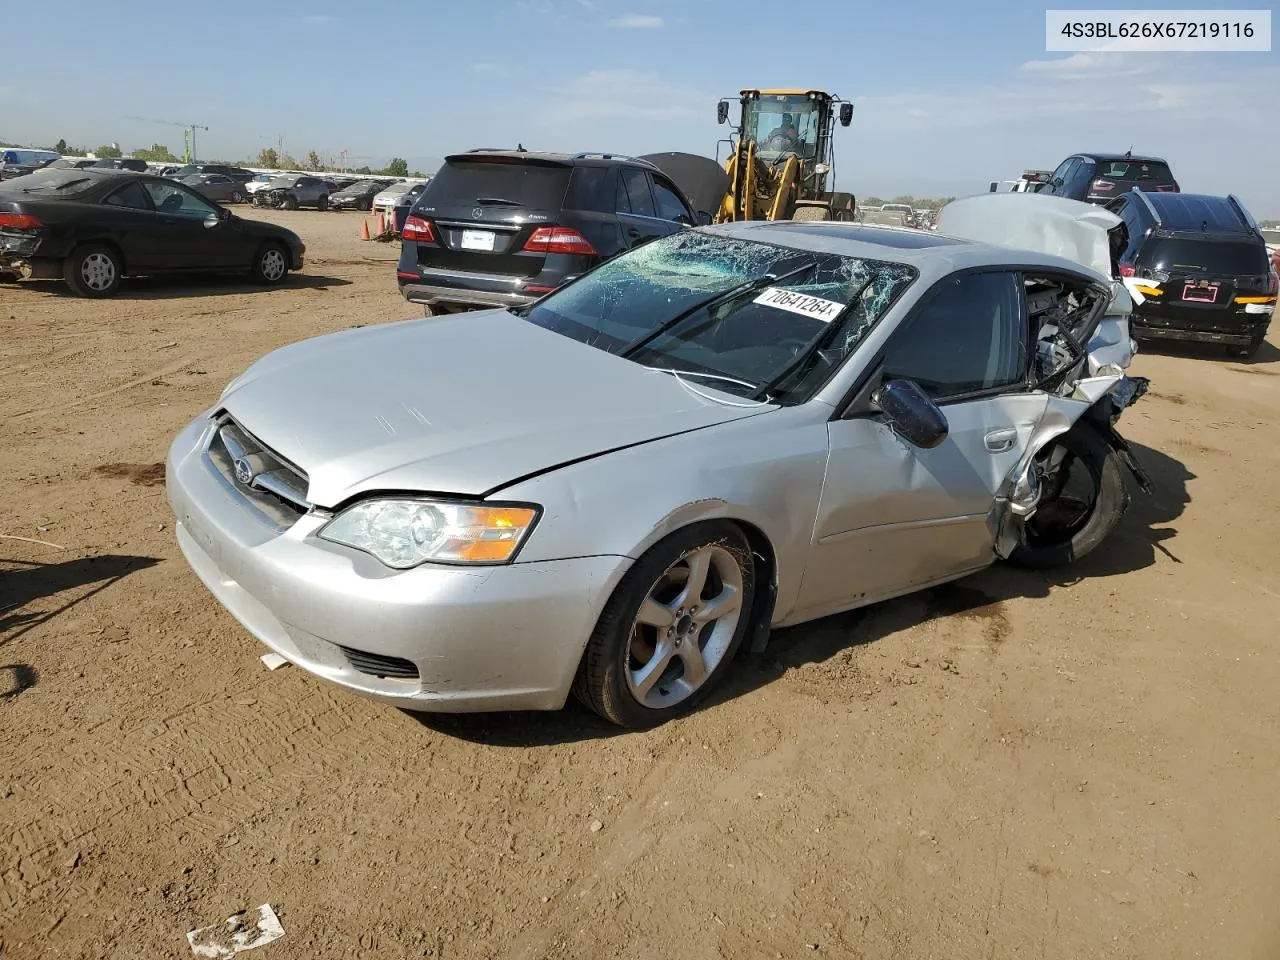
point(746, 318)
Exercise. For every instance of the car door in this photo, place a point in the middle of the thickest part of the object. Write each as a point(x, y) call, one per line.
point(135, 226)
point(1080, 179)
point(192, 229)
point(636, 208)
point(893, 517)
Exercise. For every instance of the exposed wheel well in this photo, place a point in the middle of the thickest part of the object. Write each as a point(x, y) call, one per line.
point(766, 563)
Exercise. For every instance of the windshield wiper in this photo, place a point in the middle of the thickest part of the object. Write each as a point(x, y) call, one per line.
point(801, 358)
point(743, 288)
point(502, 200)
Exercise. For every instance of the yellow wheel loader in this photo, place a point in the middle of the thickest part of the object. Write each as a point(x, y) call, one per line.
point(781, 157)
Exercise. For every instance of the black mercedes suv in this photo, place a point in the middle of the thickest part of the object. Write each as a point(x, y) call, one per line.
point(497, 228)
point(1101, 177)
point(1200, 264)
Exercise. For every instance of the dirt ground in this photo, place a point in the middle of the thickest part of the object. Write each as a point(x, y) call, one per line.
point(1016, 766)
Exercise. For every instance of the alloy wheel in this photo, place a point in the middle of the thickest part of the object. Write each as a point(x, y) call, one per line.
point(684, 626)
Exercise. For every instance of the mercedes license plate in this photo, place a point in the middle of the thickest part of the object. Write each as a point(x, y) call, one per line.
point(477, 240)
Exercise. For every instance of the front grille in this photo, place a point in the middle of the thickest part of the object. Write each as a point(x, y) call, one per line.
point(376, 665)
point(259, 474)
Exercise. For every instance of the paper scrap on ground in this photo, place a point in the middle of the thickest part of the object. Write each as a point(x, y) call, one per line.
point(802, 303)
point(238, 933)
point(273, 661)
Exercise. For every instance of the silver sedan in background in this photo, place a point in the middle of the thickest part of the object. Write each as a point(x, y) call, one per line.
point(611, 491)
point(217, 187)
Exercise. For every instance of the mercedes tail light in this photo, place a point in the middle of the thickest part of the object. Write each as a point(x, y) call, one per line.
point(1126, 270)
point(1273, 283)
point(1103, 186)
point(19, 221)
point(418, 230)
point(558, 240)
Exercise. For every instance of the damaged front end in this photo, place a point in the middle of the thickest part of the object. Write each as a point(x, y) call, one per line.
point(271, 198)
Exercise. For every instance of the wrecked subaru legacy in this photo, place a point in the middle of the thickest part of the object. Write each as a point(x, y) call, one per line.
point(612, 490)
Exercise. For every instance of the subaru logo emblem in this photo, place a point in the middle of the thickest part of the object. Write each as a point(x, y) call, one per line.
point(244, 472)
point(477, 212)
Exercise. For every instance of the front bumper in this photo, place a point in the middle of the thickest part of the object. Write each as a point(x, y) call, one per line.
point(480, 638)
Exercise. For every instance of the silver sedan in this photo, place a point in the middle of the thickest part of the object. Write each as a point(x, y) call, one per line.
point(612, 491)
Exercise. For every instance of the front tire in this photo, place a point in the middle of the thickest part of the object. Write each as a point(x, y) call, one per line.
point(323, 203)
point(289, 203)
point(237, 197)
point(271, 265)
point(1069, 524)
point(93, 270)
point(671, 628)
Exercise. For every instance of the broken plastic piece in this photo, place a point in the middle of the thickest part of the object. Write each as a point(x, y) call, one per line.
point(273, 661)
point(236, 934)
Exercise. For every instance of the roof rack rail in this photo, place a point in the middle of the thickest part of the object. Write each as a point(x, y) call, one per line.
point(599, 155)
point(1155, 214)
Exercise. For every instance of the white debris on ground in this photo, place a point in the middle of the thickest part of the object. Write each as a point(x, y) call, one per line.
point(236, 934)
point(273, 661)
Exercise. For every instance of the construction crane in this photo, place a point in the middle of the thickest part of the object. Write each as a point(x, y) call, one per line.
point(188, 135)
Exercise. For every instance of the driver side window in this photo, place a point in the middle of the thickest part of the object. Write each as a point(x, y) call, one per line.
point(176, 201)
point(968, 335)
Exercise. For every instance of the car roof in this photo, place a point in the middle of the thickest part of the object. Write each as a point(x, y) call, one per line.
point(1107, 155)
point(930, 252)
point(1199, 212)
point(554, 157)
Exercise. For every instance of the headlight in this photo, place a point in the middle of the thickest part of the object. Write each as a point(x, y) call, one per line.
point(405, 533)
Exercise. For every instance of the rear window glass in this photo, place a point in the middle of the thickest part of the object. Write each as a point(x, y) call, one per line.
point(1210, 257)
point(1131, 171)
point(521, 184)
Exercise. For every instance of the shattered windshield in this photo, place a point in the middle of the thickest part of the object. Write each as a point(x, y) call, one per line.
point(735, 315)
point(782, 124)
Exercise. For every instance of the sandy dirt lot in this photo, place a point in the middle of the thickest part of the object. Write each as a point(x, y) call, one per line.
point(1016, 766)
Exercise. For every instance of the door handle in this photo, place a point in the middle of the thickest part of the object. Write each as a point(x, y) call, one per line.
point(632, 232)
point(1001, 440)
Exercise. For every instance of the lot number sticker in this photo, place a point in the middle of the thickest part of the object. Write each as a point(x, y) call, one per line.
point(801, 303)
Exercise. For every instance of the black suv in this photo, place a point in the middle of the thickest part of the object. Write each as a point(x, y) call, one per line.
point(1201, 265)
point(235, 173)
point(497, 228)
point(1101, 177)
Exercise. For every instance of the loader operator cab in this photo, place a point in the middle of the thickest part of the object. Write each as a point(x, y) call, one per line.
point(781, 124)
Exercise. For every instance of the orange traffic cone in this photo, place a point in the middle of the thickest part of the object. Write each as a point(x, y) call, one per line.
point(382, 224)
point(364, 229)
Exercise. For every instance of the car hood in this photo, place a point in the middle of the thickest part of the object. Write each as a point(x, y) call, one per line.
point(462, 404)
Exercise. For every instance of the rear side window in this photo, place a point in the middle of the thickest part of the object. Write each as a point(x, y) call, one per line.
point(968, 336)
point(592, 188)
point(670, 207)
point(130, 195)
point(1238, 258)
point(535, 185)
point(636, 184)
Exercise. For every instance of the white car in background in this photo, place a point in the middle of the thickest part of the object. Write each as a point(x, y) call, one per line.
point(258, 182)
point(387, 201)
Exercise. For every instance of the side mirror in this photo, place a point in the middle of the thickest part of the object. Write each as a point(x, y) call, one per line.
point(994, 186)
point(912, 413)
point(703, 218)
point(722, 111)
point(846, 114)
point(683, 220)
point(213, 220)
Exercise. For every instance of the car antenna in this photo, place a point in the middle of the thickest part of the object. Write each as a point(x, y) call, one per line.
point(520, 148)
point(1128, 154)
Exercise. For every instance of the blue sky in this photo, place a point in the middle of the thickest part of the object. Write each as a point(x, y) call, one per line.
point(946, 97)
